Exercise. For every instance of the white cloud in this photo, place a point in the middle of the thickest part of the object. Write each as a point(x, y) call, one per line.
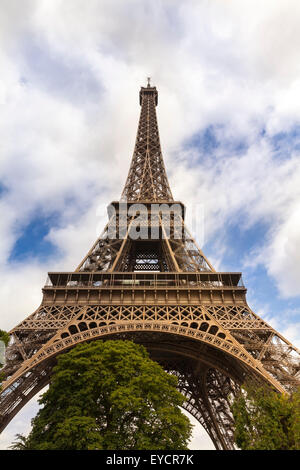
point(283, 254)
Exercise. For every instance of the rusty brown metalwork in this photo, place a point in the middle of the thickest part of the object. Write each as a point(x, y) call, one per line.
point(163, 293)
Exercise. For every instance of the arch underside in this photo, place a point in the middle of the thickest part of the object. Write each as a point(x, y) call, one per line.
point(207, 376)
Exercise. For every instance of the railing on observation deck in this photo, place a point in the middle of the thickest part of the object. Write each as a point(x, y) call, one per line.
point(143, 279)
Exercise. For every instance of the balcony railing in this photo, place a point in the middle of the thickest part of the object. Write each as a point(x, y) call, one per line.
point(143, 279)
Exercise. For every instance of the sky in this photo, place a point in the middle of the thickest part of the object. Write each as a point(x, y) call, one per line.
point(228, 79)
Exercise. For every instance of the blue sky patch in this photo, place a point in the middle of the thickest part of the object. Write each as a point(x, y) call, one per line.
point(32, 242)
point(284, 143)
point(263, 293)
point(3, 189)
point(205, 140)
point(243, 240)
point(262, 289)
point(240, 240)
point(210, 142)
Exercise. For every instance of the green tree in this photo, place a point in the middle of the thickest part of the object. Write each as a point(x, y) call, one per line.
point(20, 443)
point(4, 338)
point(109, 395)
point(266, 420)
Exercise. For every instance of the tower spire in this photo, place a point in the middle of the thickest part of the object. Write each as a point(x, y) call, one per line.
point(147, 178)
point(147, 184)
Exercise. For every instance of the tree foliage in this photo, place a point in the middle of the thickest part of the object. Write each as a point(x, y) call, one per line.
point(4, 337)
point(266, 420)
point(20, 443)
point(109, 395)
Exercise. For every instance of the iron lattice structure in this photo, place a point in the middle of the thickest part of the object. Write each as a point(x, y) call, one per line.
point(163, 293)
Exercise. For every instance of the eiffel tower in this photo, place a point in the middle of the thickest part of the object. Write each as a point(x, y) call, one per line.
point(151, 283)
